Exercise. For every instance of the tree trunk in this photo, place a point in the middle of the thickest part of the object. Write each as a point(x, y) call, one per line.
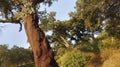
point(43, 54)
point(93, 37)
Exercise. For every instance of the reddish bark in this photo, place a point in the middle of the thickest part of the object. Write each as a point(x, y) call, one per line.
point(43, 54)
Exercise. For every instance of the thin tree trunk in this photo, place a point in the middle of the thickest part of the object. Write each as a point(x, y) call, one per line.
point(43, 54)
point(93, 37)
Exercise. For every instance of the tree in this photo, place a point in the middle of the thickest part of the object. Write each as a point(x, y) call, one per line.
point(112, 13)
point(90, 13)
point(16, 11)
point(19, 56)
point(94, 12)
point(68, 30)
point(16, 56)
point(82, 25)
point(3, 55)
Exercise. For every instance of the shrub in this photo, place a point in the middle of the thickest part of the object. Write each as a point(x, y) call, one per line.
point(60, 53)
point(109, 42)
point(74, 58)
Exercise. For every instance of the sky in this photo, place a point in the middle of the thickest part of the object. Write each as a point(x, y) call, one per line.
point(10, 35)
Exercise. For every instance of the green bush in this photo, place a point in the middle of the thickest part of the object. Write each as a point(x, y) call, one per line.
point(74, 58)
point(60, 52)
point(109, 42)
point(89, 47)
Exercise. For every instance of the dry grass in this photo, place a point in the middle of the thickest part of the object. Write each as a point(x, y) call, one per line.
point(111, 57)
point(113, 61)
point(108, 52)
point(95, 61)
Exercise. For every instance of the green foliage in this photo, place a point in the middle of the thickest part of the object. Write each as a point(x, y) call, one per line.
point(26, 8)
point(86, 47)
point(112, 13)
point(89, 47)
point(5, 8)
point(114, 26)
point(15, 56)
point(90, 13)
point(20, 54)
point(74, 58)
point(91, 17)
point(18, 9)
point(86, 21)
point(47, 23)
point(106, 41)
point(60, 52)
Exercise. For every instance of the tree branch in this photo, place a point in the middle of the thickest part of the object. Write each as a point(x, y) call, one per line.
point(38, 1)
point(9, 21)
point(12, 21)
point(20, 29)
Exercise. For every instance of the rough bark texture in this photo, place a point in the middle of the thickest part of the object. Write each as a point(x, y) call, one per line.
point(43, 54)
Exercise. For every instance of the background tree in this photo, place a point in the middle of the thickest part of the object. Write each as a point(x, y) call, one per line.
point(20, 56)
point(16, 11)
point(3, 55)
point(15, 56)
point(112, 13)
point(67, 30)
point(91, 15)
point(83, 24)
point(90, 18)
